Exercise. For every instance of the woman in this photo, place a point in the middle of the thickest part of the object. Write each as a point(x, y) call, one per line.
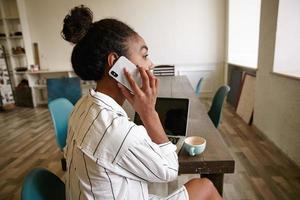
point(108, 156)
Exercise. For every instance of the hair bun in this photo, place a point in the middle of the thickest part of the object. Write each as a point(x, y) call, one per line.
point(77, 24)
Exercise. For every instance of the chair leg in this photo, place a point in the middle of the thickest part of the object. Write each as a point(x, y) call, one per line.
point(63, 164)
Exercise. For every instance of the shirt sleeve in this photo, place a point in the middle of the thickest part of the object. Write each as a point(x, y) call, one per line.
point(150, 162)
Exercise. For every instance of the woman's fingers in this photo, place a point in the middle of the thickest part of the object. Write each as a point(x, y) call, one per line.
point(149, 82)
point(135, 88)
point(152, 79)
point(145, 78)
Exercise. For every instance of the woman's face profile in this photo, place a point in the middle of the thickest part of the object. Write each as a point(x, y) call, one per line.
point(138, 52)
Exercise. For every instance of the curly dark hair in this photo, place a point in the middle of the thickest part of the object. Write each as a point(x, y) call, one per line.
point(94, 41)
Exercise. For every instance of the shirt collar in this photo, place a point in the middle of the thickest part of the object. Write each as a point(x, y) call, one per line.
point(107, 102)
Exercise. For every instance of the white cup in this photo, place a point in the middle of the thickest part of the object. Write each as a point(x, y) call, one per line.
point(194, 145)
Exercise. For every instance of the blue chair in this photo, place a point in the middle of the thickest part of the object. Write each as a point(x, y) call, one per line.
point(68, 88)
point(198, 87)
point(216, 107)
point(41, 184)
point(60, 110)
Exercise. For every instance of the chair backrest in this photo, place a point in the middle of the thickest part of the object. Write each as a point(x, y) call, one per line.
point(41, 184)
point(198, 87)
point(164, 70)
point(60, 110)
point(66, 87)
point(217, 104)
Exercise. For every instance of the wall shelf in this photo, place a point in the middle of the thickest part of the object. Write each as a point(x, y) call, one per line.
point(18, 55)
point(11, 25)
point(50, 72)
point(38, 82)
point(20, 73)
point(39, 86)
point(10, 18)
point(15, 37)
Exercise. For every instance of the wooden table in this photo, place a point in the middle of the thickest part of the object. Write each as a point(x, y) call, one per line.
point(215, 161)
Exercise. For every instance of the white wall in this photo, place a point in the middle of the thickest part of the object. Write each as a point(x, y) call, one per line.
point(277, 98)
point(184, 33)
point(243, 32)
point(287, 59)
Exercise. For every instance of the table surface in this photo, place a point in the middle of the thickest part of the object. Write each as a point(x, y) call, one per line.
point(216, 158)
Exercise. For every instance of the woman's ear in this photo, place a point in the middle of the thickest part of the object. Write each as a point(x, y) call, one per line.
point(112, 58)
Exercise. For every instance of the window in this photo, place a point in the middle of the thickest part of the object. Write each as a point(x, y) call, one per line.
point(287, 46)
point(243, 32)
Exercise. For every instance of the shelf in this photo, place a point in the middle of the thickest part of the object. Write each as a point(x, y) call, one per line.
point(17, 55)
point(48, 72)
point(15, 37)
point(20, 73)
point(45, 86)
point(11, 18)
point(12, 37)
point(39, 86)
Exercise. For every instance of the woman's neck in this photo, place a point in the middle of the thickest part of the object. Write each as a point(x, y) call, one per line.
point(109, 87)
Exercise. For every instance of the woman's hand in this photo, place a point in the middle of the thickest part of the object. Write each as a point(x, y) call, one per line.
point(143, 101)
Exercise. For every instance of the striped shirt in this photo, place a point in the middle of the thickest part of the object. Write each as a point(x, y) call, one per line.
point(110, 157)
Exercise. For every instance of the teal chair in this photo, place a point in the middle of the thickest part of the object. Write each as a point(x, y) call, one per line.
point(41, 184)
point(60, 110)
point(67, 87)
point(198, 87)
point(216, 107)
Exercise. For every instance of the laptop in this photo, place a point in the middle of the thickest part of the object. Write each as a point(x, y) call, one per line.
point(173, 114)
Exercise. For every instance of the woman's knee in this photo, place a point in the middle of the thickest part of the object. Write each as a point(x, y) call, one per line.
point(207, 182)
point(204, 182)
point(200, 187)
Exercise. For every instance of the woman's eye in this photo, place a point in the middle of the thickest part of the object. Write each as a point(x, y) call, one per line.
point(145, 56)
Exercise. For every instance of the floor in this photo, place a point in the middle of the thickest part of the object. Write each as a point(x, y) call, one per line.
point(262, 171)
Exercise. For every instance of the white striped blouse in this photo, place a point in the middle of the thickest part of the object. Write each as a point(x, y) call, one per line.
point(110, 157)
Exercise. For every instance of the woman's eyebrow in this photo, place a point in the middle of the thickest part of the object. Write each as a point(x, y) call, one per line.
point(144, 47)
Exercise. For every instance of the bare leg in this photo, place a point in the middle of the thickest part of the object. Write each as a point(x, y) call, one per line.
point(201, 188)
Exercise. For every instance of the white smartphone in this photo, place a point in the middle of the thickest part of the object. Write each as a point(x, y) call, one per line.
point(117, 72)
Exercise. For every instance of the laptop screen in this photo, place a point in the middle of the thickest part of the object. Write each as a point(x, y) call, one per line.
point(173, 114)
